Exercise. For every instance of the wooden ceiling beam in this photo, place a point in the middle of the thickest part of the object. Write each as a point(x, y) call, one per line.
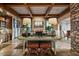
point(28, 4)
point(43, 15)
point(48, 4)
point(67, 10)
point(48, 10)
point(37, 4)
point(7, 8)
point(61, 4)
point(29, 9)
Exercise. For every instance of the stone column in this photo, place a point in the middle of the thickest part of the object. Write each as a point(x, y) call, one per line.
point(74, 11)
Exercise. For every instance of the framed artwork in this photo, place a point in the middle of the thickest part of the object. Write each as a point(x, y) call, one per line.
point(38, 24)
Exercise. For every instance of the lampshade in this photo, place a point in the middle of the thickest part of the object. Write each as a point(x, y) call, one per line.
point(53, 21)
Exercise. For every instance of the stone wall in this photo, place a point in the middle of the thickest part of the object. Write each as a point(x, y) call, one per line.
point(74, 15)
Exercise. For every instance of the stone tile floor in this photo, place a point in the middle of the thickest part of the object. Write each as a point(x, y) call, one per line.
point(63, 48)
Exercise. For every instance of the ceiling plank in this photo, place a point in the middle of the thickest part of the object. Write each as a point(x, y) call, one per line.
point(67, 10)
point(29, 9)
point(48, 10)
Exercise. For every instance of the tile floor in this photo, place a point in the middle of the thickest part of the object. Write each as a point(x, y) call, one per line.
point(63, 49)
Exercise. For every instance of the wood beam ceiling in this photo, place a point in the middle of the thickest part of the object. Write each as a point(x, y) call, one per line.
point(9, 9)
point(61, 4)
point(7, 6)
point(67, 10)
point(43, 15)
point(38, 4)
point(48, 4)
point(48, 10)
point(30, 11)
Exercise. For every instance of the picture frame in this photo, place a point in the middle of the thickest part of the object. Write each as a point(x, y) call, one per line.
point(38, 24)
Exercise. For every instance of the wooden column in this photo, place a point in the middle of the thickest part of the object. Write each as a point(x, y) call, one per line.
point(9, 25)
point(21, 25)
point(21, 21)
point(31, 23)
point(46, 19)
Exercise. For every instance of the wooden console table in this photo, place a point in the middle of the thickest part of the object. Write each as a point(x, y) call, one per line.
point(36, 38)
